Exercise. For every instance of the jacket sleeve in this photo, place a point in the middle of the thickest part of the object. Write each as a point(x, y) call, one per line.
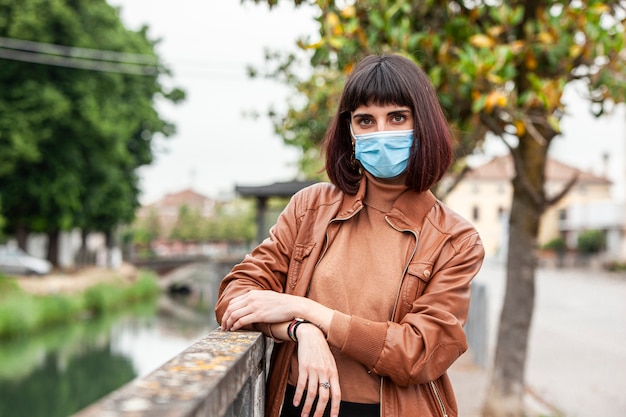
point(265, 268)
point(430, 336)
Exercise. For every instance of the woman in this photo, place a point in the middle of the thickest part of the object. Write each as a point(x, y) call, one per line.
point(364, 284)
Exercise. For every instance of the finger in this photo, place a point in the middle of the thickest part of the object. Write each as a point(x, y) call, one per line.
point(228, 320)
point(335, 397)
point(233, 320)
point(310, 396)
point(300, 387)
point(322, 399)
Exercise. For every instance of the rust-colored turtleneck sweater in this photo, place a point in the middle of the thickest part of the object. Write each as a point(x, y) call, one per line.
point(359, 276)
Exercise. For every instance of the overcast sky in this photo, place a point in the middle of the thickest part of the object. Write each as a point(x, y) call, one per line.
point(208, 45)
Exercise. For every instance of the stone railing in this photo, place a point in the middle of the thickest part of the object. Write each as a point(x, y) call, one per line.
point(223, 374)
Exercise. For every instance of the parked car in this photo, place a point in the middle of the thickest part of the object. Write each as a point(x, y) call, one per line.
point(14, 261)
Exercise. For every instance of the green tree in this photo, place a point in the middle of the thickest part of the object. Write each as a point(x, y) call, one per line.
point(500, 67)
point(233, 222)
point(190, 225)
point(591, 242)
point(77, 117)
point(144, 231)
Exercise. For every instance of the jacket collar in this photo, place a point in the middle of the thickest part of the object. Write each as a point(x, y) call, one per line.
point(408, 212)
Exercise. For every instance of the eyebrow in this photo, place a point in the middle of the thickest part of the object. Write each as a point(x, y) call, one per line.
point(388, 113)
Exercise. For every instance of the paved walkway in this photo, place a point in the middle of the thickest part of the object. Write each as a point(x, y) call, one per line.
point(470, 383)
point(576, 365)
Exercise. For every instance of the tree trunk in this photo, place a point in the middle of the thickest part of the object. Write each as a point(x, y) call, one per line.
point(53, 247)
point(81, 257)
point(21, 236)
point(505, 397)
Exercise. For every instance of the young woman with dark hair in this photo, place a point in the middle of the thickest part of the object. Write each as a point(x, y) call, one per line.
point(364, 283)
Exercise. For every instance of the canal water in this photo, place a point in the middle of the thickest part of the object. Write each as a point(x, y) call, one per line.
point(64, 369)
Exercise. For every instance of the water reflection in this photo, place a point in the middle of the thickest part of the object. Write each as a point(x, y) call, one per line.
point(63, 370)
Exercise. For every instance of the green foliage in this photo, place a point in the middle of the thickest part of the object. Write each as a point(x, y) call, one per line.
point(106, 297)
point(233, 221)
point(591, 241)
point(71, 139)
point(189, 225)
point(143, 232)
point(498, 67)
point(615, 266)
point(2, 223)
point(22, 313)
point(18, 313)
point(557, 244)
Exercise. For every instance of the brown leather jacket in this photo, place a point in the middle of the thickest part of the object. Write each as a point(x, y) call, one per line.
point(413, 350)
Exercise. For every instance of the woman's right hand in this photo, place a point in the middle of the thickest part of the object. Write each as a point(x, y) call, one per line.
point(316, 366)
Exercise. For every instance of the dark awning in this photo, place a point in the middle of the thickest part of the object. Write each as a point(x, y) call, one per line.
point(278, 189)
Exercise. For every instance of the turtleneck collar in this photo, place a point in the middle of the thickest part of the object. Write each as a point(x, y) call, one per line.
point(381, 195)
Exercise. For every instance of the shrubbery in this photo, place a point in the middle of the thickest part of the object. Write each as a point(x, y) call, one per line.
point(557, 244)
point(591, 242)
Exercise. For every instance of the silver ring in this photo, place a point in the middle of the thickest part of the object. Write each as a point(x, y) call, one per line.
point(325, 384)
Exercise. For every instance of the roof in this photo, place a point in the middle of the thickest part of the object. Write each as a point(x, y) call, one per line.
point(501, 168)
point(187, 196)
point(278, 189)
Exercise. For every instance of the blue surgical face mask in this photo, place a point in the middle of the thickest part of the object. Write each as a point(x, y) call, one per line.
point(384, 154)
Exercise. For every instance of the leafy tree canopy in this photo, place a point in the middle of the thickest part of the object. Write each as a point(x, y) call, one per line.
point(498, 66)
point(77, 115)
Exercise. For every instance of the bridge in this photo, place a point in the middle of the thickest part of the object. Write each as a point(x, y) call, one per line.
point(163, 265)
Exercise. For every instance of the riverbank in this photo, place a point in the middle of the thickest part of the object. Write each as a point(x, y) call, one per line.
point(77, 281)
point(30, 304)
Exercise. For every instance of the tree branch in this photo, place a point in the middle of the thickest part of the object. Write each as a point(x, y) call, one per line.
point(566, 189)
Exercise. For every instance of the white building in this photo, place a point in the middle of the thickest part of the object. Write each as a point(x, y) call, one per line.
point(484, 197)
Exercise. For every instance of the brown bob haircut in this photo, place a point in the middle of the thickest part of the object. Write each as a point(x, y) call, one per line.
point(383, 80)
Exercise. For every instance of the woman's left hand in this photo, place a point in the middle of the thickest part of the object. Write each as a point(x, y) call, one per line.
point(260, 306)
point(317, 373)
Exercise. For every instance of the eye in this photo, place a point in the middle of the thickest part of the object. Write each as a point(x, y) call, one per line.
point(365, 121)
point(398, 118)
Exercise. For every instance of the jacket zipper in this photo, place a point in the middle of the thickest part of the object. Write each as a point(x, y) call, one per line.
point(432, 384)
point(406, 267)
point(435, 391)
point(395, 306)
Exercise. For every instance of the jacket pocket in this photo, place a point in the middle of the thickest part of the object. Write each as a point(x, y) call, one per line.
point(300, 253)
point(418, 276)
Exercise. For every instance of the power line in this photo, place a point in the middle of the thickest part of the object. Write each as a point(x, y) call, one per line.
point(92, 65)
point(74, 57)
point(76, 52)
point(110, 61)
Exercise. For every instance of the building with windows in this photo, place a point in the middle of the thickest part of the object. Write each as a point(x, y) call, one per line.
point(485, 193)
